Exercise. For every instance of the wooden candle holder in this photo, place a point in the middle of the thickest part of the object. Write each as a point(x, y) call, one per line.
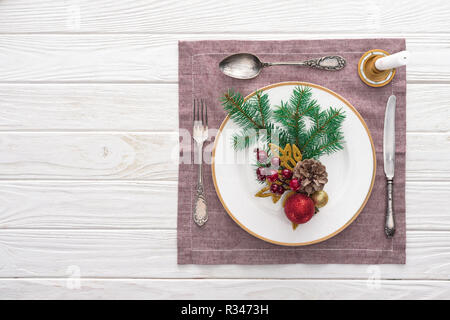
point(369, 74)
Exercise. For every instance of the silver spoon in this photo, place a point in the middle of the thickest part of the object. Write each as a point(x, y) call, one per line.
point(248, 66)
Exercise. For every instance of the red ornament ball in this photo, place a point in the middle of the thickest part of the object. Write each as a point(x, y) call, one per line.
point(294, 184)
point(299, 208)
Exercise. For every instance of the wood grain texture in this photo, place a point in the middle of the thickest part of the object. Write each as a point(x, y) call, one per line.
point(221, 289)
point(222, 16)
point(154, 107)
point(88, 205)
point(152, 254)
point(83, 88)
point(154, 156)
point(428, 160)
point(152, 58)
point(89, 156)
point(153, 205)
point(427, 108)
point(99, 107)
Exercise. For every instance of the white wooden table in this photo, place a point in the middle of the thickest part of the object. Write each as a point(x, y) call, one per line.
point(88, 114)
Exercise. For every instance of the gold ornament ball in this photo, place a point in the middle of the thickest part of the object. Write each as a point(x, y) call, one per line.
point(320, 198)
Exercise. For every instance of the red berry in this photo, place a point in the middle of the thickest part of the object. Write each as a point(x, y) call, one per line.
point(286, 173)
point(261, 156)
point(280, 190)
point(274, 188)
point(275, 161)
point(299, 208)
point(294, 184)
point(273, 176)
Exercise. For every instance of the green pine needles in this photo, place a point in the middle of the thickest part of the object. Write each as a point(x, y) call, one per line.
point(255, 118)
point(314, 132)
point(298, 121)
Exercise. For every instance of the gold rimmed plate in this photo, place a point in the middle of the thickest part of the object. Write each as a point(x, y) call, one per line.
point(351, 174)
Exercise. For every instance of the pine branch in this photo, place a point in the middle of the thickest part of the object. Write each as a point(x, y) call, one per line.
point(253, 116)
point(243, 113)
point(298, 121)
point(271, 134)
point(263, 105)
point(244, 139)
point(276, 135)
point(293, 114)
point(325, 136)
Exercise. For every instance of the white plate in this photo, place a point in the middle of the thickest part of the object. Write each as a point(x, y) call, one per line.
point(351, 173)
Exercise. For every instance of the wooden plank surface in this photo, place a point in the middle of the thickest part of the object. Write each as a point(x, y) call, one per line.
point(95, 107)
point(154, 107)
point(224, 16)
point(260, 289)
point(68, 155)
point(88, 121)
point(151, 58)
point(154, 156)
point(90, 205)
point(427, 109)
point(152, 254)
point(153, 205)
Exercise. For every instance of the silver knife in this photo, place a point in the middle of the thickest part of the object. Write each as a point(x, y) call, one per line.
point(389, 162)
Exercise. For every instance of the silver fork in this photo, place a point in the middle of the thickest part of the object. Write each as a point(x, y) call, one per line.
point(200, 117)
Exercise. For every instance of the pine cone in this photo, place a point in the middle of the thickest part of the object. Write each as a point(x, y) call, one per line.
point(312, 174)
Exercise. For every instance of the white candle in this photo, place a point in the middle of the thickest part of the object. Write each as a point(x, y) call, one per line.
point(393, 61)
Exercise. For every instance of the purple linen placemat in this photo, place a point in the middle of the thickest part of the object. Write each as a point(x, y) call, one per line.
point(221, 240)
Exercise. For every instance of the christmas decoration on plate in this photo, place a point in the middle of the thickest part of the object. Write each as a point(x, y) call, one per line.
point(320, 198)
point(299, 208)
point(312, 174)
point(290, 139)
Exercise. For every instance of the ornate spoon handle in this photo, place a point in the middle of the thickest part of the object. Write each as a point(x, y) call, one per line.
point(200, 213)
point(389, 227)
point(330, 63)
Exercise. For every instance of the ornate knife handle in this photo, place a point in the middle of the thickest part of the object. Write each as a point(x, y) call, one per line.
point(200, 213)
point(389, 227)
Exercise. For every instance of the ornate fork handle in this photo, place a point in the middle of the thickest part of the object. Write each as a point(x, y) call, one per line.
point(200, 207)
